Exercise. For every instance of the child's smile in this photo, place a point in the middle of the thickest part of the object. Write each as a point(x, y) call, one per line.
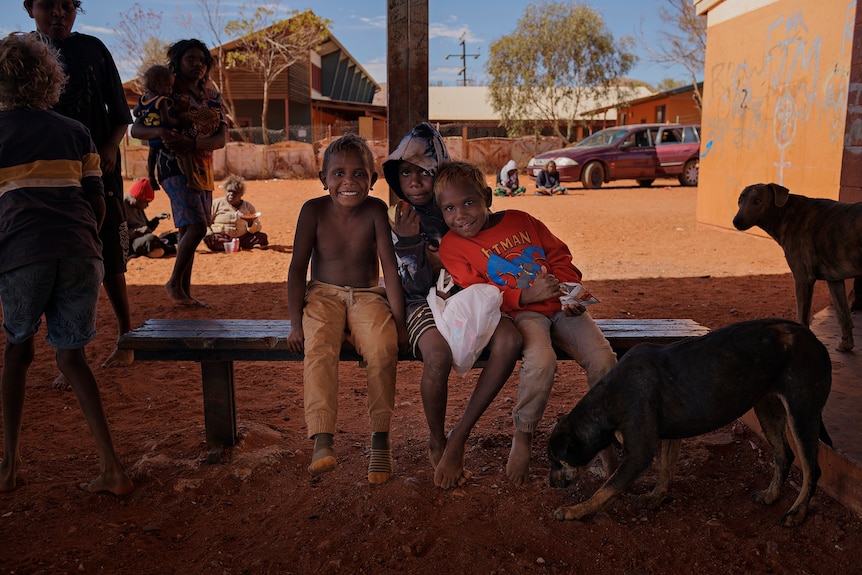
point(347, 178)
point(464, 210)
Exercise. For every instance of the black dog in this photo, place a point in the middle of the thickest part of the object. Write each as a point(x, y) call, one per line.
point(691, 387)
point(821, 239)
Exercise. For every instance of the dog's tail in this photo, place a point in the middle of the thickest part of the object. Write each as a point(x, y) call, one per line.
point(824, 435)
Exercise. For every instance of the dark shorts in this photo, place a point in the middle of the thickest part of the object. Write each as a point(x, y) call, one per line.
point(420, 321)
point(65, 290)
point(115, 230)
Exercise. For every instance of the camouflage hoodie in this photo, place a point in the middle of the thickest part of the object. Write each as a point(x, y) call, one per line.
point(424, 147)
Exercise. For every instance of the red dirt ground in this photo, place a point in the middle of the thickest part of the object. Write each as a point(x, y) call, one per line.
point(259, 511)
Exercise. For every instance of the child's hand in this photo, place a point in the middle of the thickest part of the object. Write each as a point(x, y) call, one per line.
point(573, 310)
point(544, 287)
point(296, 339)
point(405, 222)
point(163, 216)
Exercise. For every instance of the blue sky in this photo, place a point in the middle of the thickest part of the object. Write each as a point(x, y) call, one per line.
point(360, 26)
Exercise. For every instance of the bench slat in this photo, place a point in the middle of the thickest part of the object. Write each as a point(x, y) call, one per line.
point(217, 343)
point(174, 339)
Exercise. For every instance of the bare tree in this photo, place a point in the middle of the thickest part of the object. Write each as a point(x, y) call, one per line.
point(210, 10)
point(271, 48)
point(140, 42)
point(682, 41)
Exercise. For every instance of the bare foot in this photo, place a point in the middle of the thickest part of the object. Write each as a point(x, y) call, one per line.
point(518, 466)
point(179, 296)
point(436, 447)
point(120, 358)
point(8, 476)
point(450, 469)
point(60, 383)
point(120, 485)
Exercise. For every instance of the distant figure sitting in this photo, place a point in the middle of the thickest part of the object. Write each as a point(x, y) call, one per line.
point(142, 240)
point(235, 218)
point(507, 181)
point(548, 181)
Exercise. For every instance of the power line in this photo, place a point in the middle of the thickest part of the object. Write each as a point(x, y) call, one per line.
point(463, 56)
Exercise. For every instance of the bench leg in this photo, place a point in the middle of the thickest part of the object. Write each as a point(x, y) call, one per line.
point(219, 407)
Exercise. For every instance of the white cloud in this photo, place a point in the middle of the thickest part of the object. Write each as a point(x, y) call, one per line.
point(377, 22)
point(437, 30)
point(377, 68)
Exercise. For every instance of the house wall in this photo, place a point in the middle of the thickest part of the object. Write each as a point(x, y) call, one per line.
point(677, 108)
point(775, 104)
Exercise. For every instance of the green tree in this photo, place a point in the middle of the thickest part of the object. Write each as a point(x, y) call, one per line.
point(560, 58)
point(271, 48)
point(682, 41)
point(668, 84)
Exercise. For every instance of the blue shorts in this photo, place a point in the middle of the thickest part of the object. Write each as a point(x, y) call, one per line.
point(188, 206)
point(66, 291)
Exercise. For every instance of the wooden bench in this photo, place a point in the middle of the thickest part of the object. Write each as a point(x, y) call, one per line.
point(217, 343)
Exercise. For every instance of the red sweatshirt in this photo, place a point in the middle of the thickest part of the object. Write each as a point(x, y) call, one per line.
point(509, 255)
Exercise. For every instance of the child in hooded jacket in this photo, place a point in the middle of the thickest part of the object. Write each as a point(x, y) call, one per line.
point(418, 227)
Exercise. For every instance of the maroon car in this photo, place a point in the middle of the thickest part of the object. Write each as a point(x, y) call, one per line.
point(641, 152)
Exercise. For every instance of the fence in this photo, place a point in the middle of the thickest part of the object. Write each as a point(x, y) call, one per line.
point(294, 132)
point(296, 158)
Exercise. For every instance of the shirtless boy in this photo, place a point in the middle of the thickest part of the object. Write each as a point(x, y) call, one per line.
point(345, 237)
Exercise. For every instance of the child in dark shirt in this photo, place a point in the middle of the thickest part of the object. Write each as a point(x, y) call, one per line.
point(155, 109)
point(418, 227)
point(64, 198)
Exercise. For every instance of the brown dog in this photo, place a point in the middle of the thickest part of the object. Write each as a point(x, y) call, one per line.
point(691, 387)
point(822, 240)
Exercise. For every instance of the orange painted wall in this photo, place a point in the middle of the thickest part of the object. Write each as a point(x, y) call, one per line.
point(678, 108)
point(775, 102)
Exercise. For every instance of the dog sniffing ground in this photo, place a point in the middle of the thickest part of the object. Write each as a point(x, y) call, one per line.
point(642, 255)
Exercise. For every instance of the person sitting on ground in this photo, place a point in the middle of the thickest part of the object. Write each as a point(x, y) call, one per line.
point(52, 205)
point(517, 253)
point(507, 181)
point(548, 181)
point(418, 226)
point(142, 240)
point(155, 108)
point(346, 239)
point(235, 218)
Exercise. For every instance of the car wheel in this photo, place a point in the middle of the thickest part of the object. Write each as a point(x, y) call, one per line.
point(645, 183)
point(593, 175)
point(689, 174)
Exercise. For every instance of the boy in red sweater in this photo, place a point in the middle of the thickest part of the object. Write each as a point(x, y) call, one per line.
point(518, 254)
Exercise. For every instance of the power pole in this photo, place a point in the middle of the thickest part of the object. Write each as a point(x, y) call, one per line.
point(463, 55)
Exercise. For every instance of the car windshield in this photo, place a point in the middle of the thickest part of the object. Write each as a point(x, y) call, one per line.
point(603, 138)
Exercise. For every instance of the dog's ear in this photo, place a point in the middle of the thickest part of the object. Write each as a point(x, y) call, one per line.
point(780, 193)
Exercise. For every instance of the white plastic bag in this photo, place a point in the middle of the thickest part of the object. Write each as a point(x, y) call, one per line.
point(466, 320)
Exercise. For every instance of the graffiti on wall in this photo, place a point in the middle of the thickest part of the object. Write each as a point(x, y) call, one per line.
point(772, 102)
